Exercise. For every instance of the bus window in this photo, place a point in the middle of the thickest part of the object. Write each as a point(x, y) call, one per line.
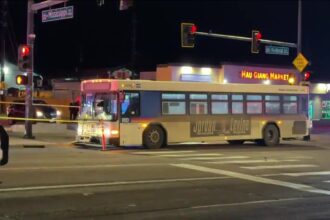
point(290, 105)
point(87, 106)
point(173, 104)
point(105, 106)
point(272, 104)
point(254, 104)
point(219, 104)
point(131, 104)
point(198, 104)
point(237, 104)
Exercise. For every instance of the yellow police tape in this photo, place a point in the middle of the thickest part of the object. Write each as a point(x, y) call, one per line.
point(52, 105)
point(48, 120)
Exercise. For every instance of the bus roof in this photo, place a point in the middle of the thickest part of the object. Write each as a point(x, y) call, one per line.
point(104, 85)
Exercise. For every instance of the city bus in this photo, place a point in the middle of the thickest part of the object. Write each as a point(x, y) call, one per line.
point(155, 114)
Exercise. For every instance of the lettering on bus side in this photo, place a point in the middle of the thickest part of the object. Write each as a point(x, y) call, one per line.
point(224, 126)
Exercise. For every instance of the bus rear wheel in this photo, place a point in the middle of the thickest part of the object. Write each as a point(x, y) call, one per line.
point(270, 136)
point(236, 142)
point(153, 137)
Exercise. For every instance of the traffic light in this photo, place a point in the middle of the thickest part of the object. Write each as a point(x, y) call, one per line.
point(188, 31)
point(255, 42)
point(21, 80)
point(307, 76)
point(24, 58)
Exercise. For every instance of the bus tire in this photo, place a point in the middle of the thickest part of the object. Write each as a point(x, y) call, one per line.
point(153, 137)
point(235, 142)
point(270, 135)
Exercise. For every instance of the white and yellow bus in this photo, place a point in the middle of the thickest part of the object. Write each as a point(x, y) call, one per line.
point(159, 113)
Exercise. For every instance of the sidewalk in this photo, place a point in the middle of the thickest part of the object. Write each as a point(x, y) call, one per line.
point(46, 134)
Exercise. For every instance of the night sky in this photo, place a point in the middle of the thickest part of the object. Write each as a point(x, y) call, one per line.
point(100, 37)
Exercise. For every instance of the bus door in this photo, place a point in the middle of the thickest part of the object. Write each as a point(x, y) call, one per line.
point(130, 129)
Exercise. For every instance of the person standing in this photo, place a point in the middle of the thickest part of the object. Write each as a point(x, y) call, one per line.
point(4, 146)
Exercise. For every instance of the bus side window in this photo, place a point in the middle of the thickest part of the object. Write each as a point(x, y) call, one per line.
point(130, 105)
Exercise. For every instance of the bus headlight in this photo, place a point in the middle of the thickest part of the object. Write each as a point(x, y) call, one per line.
point(107, 132)
point(79, 130)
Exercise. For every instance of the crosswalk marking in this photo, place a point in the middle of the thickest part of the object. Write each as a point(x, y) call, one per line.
point(280, 166)
point(301, 187)
point(251, 161)
point(189, 155)
point(164, 152)
point(215, 158)
point(307, 173)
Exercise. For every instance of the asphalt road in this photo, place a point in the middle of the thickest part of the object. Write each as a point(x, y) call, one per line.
point(290, 181)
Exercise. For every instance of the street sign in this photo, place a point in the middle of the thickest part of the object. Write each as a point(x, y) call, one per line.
point(300, 62)
point(277, 50)
point(57, 14)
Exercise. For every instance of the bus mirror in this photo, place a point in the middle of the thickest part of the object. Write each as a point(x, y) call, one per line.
point(121, 97)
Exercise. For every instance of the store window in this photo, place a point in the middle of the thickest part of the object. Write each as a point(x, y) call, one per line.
point(325, 109)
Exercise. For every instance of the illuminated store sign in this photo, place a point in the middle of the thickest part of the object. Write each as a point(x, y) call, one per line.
point(245, 74)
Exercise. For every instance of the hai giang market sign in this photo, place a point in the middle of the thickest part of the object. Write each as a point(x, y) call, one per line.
point(245, 74)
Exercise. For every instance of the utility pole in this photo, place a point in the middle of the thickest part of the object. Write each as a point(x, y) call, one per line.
point(30, 36)
point(133, 50)
point(3, 28)
point(299, 42)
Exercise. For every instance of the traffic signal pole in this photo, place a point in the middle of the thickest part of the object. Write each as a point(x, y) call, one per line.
point(29, 87)
point(248, 39)
point(30, 37)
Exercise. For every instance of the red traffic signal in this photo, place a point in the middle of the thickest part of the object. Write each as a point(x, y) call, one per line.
point(24, 58)
point(25, 51)
point(188, 31)
point(307, 76)
point(255, 41)
point(193, 29)
point(21, 80)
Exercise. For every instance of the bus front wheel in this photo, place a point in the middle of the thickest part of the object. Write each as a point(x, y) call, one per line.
point(270, 136)
point(153, 137)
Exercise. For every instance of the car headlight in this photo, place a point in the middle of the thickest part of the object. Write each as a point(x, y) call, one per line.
point(39, 114)
point(58, 113)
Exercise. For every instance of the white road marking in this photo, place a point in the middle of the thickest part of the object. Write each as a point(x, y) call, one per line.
point(301, 157)
point(301, 187)
point(280, 166)
point(67, 186)
point(250, 161)
point(307, 173)
point(246, 203)
point(327, 181)
point(80, 166)
point(215, 158)
point(163, 152)
point(188, 155)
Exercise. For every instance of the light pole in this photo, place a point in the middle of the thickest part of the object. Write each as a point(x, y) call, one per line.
point(299, 45)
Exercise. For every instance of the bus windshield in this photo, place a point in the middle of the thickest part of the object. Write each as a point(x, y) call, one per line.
point(100, 106)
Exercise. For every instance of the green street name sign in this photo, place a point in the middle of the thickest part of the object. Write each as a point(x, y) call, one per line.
point(277, 50)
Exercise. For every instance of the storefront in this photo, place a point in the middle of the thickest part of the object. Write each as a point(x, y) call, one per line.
point(225, 73)
point(319, 104)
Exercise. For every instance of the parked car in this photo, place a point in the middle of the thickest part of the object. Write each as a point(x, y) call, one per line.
point(40, 110)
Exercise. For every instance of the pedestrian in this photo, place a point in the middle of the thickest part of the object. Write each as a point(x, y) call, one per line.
point(4, 146)
point(72, 110)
